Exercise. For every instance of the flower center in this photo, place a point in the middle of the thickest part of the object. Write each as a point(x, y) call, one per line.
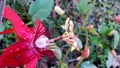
point(42, 42)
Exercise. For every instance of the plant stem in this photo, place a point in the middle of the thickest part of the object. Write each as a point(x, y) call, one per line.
point(67, 53)
point(77, 65)
point(84, 25)
point(61, 61)
point(86, 44)
point(86, 18)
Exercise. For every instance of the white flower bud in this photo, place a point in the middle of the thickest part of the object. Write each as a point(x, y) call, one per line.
point(58, 10)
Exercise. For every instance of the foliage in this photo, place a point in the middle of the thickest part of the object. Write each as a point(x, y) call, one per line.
point(69, 33)
point(87, 64)
point(38, 9)
point(83, 6)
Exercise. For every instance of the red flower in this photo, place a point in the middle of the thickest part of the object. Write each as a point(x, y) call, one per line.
point(32, 43)
point(117, 19)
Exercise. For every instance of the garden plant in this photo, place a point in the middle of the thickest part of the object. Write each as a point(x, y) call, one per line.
point(59, 34)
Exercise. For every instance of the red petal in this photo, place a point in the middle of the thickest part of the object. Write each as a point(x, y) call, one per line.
point(33, 62)
point(20, 28)
point(41, 28)
point(18, 54)
point(48, 53)
point(48, 34)
point(8, 31)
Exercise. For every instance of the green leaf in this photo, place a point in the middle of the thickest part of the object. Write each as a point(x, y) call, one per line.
point(41, 9)
point(110, 60)
point(87, 64)
point(104, 29)
point(79, 42)
point(96, 41)
point(116, 39)
point(57, 51)
point(83, 6)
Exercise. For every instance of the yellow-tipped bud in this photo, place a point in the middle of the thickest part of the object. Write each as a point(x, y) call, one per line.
point(71, 27)
point(66, 23)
